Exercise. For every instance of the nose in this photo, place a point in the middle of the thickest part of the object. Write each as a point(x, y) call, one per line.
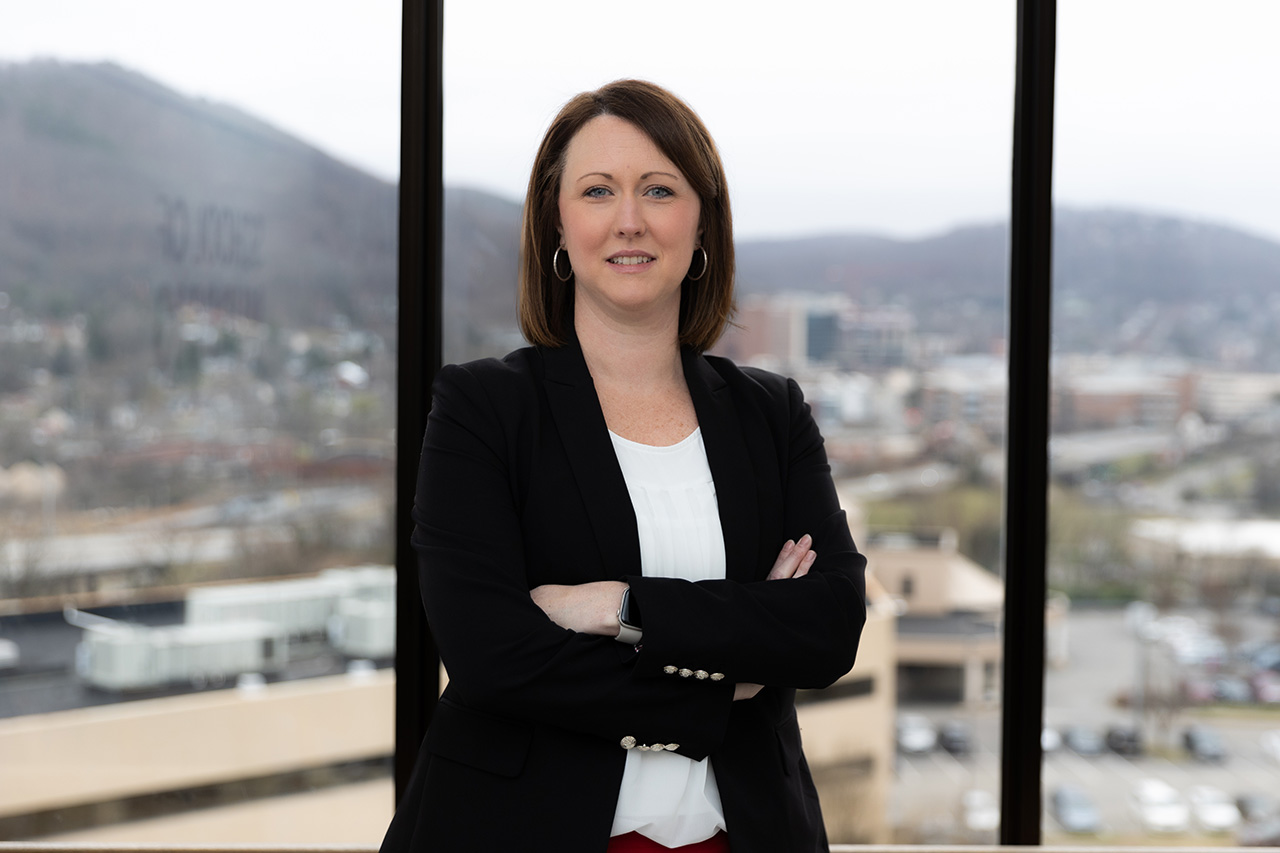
point(629, 217)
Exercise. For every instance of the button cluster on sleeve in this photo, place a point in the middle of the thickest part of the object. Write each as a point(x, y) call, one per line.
point(629, 742)
point(700, 674)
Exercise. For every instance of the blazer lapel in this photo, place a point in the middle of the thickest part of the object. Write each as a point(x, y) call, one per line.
point(575, 408)
point(731, 466)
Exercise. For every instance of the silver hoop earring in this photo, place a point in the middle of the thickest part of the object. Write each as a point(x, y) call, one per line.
point(555, 264)
point(706, 262)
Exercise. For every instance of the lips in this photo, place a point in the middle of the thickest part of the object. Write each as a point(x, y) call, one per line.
point(630, 260)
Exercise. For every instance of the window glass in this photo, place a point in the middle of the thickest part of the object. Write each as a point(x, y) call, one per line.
point(1164, 675)
point(868, 156)
point(197, 372)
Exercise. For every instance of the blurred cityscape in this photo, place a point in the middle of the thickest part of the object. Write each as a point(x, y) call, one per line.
point(196, 502)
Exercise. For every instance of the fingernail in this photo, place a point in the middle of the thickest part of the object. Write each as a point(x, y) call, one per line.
point(788, 545)
point(810, 557)
point(806, 540)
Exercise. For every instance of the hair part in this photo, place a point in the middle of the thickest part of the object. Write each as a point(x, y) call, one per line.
point(546, 303)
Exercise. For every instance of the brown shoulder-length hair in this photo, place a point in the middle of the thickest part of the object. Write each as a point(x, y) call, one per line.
point(706, 305)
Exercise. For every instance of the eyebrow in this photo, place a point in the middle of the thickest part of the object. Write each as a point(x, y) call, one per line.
point(643, 177)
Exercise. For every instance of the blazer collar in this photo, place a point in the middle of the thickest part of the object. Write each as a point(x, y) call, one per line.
point(571, 396)
point(575, 408)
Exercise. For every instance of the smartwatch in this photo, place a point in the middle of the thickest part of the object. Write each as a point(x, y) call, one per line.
point(629, 630)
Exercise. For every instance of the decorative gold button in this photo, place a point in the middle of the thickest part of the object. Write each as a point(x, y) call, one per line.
point(717, 676)
point(669, 670)
point(700, 674)
point(685, 673)
point(672, 747)
point(629, 742)
point(658, 747)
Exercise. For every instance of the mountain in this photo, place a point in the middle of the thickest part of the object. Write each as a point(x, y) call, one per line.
point(481, 260)
point(1124, 281)
point(114, 184)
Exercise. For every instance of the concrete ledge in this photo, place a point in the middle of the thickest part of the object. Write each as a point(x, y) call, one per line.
point(111, 752)
point(18, 847)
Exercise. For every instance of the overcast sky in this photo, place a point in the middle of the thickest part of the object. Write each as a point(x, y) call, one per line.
point(843, 115)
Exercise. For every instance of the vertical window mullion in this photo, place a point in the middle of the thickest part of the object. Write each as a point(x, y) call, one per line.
point(420, 293)
point(1027, 467)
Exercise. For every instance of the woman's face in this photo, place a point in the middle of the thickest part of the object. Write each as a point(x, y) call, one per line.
point(629, 222)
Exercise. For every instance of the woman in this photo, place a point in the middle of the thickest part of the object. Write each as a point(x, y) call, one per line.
point(568, 495)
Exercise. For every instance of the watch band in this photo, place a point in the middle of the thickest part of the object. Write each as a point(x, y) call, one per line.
point(627, 633)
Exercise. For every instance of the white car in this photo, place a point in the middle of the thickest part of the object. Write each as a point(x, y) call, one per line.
point(980, 811)
point(1214, 811)
point(1271, 744)
point(1159, 807)
point(916, 734)
point(9, 656)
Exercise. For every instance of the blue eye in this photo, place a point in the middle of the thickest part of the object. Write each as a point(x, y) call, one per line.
point(659, 192)
point(596, 192)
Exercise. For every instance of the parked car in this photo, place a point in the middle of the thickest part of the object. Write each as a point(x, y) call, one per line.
point(1264, 833)
point(1233, 689)
point(980, 811)
point(1266, 686)
point(1265, 656)
point(1213, 810)
point(1255, 805)
point(954, 737)
point(1074, 809)
point(1159, 807)
point(1082, 740)
point(9, 655)
point(1197, 689)
point(1124, 740)
point(916, 734)
point(1204, 744)
point(1270, 742)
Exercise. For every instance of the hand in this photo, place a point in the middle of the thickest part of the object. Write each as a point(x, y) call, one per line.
point(745, 690)
point(588, 608)
point(794, 560)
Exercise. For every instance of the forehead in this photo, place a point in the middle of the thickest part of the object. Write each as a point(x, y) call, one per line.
point(608, 143)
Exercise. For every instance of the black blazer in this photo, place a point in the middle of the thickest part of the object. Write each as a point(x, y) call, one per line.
point(519, 486)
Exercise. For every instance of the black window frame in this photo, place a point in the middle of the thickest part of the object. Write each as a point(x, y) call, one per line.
point(1026, 495)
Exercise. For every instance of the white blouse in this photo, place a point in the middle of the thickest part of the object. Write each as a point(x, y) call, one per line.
point(664, 796)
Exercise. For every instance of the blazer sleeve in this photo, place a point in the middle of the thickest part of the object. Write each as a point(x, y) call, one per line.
point(503, 654)
point(800, 632)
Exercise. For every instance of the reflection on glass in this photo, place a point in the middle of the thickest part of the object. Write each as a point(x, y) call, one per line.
point(868, 164)
point(1163, 529)
point(197, 372)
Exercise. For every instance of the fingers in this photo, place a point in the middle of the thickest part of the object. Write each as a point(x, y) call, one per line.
point(745, 690)
point(782, 567)
point(806, 564)
point(794, 560)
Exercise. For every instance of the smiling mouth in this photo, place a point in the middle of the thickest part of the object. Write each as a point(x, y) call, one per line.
point(631, 260)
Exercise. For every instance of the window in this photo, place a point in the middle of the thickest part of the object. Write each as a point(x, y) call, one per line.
point(841, 184)
point(197, 406)
point(1164, 438)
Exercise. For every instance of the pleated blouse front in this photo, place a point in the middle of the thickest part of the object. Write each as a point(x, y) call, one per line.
point(664, 796)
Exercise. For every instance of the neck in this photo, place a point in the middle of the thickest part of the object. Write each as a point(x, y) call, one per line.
point(639, 356)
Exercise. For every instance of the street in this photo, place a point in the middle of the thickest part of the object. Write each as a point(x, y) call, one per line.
point(926, 802)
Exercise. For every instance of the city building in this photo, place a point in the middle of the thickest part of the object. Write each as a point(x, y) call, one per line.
point(949, 644)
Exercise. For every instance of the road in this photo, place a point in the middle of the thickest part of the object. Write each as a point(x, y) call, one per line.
point(1103, 660)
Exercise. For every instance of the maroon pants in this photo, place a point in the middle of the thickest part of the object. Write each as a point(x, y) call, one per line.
point(634, 842)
